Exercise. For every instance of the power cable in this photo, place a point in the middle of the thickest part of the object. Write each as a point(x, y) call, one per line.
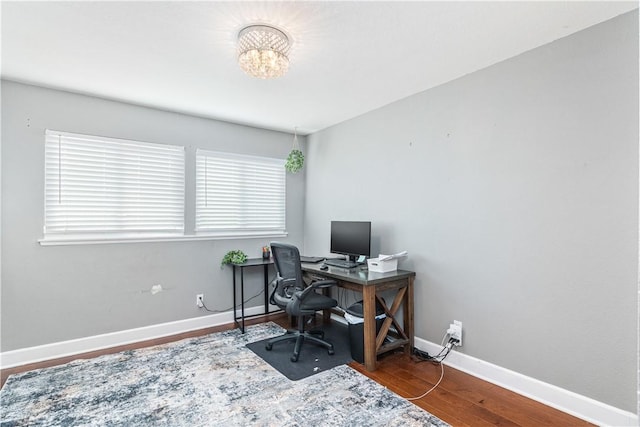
point(437, 359)
point(232, 307)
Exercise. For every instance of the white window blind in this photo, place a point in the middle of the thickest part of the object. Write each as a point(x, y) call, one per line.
point(105, 186)
point(239, 194)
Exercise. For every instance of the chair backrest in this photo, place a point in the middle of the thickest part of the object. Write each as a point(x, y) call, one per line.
point(287, 262)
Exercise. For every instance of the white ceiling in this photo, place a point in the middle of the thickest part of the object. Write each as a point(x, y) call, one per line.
point(347, 58)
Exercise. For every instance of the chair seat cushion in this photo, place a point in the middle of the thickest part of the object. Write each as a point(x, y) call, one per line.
point(314, 302)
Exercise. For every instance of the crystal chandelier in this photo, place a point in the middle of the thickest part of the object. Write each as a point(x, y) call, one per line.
point(263, 51)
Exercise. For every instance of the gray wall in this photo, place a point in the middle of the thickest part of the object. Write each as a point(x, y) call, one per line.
point(515, 191)
point(57, 293)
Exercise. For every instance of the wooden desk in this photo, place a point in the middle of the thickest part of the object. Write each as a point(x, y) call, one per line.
point(251, 262)
point(370, 284)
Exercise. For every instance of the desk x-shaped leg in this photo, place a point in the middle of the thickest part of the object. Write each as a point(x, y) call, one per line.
point(390, 312)
point(373, 345)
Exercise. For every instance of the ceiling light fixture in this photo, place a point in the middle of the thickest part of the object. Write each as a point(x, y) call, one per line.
point(263, 51)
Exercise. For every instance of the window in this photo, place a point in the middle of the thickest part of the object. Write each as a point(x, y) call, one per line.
point(239, 195)
point(100, 189)
point(97, 187)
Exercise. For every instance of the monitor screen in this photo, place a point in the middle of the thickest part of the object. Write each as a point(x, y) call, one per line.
point(351, 238)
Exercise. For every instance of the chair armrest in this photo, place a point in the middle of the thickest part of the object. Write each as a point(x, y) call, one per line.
point(300, 296)
point(285, 285)
point(323, 283)
point(320, 284)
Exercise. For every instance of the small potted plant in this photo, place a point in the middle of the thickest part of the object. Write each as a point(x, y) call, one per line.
point(233, 257)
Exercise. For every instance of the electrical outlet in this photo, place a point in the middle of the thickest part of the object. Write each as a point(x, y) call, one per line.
point(200, 300)
point(455, 332)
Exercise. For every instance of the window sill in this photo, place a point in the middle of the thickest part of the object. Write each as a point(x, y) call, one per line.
point(102, 240)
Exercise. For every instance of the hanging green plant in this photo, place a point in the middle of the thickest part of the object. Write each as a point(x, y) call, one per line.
point(233, 257)
point(295, 160)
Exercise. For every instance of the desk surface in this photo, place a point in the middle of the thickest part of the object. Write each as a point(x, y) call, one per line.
point(360, 275)
point(254, 261)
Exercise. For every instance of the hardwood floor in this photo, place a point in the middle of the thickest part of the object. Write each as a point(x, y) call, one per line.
point(460, 399)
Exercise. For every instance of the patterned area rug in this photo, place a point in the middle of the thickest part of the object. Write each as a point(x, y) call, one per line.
point(213, 380)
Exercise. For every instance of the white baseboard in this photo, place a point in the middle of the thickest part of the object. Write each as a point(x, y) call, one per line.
point(56, 350)
point(580, 406)
point(564, 400)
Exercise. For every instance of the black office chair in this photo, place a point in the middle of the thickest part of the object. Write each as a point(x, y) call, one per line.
point(292, 295)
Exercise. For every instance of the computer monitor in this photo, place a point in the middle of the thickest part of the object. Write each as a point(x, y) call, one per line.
point(352, 238)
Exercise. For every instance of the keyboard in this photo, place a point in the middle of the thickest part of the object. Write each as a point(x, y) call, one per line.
point(340, 263)
point(312, 259)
